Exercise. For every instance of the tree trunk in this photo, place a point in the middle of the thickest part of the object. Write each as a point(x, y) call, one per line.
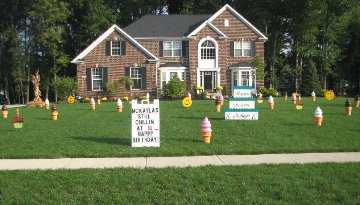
point(55, 91)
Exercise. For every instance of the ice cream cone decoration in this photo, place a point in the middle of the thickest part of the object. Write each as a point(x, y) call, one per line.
point(293, 98)
point(313, 96)
point(119, 105)
point(217, 105)
point(189, 95)
point(4, 111)
point(318, 116)
point(357, 101)
point(18, 120)
point(285, 96)
point(260, 98)
point(47, 103)
point(299, 105)
point(271, 102)
point(221, 99)
point(92, 104)
point(348, 108)
point(206, 130)
point(98, 101)
point(54, 113)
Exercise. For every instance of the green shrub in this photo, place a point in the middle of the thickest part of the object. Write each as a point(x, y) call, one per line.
point(65, 86)
point(174, 89)
point(268, 91)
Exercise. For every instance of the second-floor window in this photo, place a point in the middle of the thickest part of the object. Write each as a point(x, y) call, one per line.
point(242, 48)
point(208, 50)
point(172, 48)
point(115, 48)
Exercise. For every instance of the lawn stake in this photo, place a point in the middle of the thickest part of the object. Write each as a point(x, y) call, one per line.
point(92, 103)
point(348, 107)
point(206, 130)
point(4, 111)
point(318, 116)
point(18, 120)
point(119, 105)
point(47, 103)
point(271, 102)
point(54, 113)
point(313, 96)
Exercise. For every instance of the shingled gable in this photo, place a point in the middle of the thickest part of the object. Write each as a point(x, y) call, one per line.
point(78, 59)
point(235, 13)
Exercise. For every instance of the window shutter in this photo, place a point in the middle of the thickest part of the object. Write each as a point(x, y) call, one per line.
point(232, 53)
point(123, 48)
point(253, 48)
point(183, 49)
point(108, 48)
point(88, 79)
point(105, 78)
point(143, 78)
point(161, 48)
point(127, 73)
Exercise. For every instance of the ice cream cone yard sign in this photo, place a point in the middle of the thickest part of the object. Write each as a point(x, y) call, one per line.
point(145, 124)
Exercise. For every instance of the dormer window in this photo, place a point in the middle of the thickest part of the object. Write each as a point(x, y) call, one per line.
point(226, 23)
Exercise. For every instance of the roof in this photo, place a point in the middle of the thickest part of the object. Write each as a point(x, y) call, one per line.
point(235, 13)
point(78, 59)
point(241, 65)
point(169, 26)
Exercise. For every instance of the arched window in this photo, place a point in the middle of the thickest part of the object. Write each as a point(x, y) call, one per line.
point(208, 50)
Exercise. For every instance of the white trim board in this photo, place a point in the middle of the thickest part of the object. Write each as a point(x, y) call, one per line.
point(102, 37)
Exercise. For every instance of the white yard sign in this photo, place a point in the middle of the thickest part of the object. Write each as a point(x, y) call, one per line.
point(241, 115)
point(242, 93)
point(237, 104)
point(145, 124)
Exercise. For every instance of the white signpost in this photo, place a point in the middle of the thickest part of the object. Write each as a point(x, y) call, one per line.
point(145, 124)
point(242, 106)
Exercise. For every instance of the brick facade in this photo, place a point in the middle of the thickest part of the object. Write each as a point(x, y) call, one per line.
point(116, 65)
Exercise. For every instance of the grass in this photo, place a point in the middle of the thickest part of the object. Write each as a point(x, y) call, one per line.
point(263, 184)
point(104, 132)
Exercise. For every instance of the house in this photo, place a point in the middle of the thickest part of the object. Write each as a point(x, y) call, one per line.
point(202, 50)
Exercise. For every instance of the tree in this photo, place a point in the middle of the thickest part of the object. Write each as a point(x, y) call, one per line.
point(48, 18)
point(65, 87)
point(310, 80)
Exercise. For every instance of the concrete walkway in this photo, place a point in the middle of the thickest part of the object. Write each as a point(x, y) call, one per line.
point(191, 161)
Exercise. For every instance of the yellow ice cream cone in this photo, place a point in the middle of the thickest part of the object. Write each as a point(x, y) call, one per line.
point(318, 121)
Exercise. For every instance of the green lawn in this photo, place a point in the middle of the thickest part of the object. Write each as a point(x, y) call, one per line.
point(264, 184)
point(80, 132)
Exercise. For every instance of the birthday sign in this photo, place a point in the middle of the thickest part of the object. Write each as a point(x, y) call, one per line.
point(242, 104)
point(242, 92)
point(241, 114)
point(145, 121)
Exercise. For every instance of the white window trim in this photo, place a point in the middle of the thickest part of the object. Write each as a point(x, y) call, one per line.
point(240, 69)
point(167, 70)
point(131, 87)
point(172, 48)
point(242, 48)
point(92, 79)
point(199, 80)
point(111, 48)
point(216, 50)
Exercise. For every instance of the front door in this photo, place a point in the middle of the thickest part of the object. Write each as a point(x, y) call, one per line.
point(208, 78)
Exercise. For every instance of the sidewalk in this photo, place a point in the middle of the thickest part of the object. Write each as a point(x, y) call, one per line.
point(191, 161)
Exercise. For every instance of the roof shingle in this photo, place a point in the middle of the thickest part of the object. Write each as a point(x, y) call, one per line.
point(169, 26)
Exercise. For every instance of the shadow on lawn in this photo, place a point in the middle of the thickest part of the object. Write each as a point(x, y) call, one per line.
point(108, 140)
